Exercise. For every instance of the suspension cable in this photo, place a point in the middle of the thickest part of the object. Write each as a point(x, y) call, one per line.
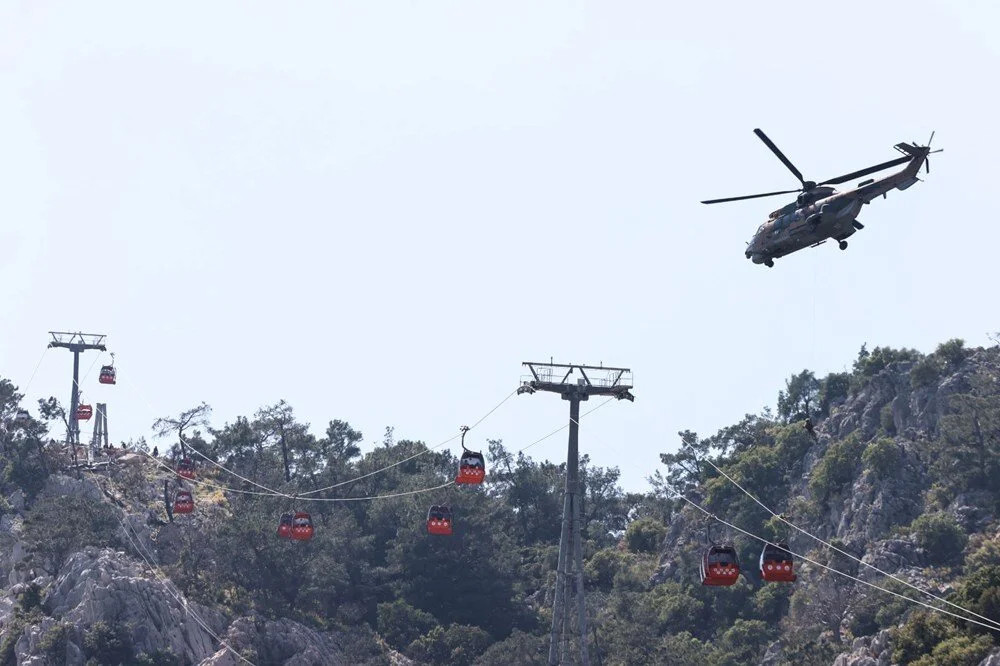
point(843, 552)
point(341, 483)
point(565, 425)
point(208, 484)
point(35, 371)
point(416, 455)
point(272, 493)
point(175, 473)
point(839, 573)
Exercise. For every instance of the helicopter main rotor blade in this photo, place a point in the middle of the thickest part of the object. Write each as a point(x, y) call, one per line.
point(749, 196)
point(781, 155)
point(865, 172)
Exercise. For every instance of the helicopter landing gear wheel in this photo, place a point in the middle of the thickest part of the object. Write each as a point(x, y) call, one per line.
point(769, 263)
point(843, 245)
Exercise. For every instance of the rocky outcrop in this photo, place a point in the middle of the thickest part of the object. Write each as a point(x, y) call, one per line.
point(992, 660)
point(106, 585)
point(278, 642)
point(868, 515)
point(868, 651)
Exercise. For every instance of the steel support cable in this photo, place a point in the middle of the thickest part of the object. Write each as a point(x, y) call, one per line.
point(35, 371)
point(91, 368)
point(342, 483)
point(165, 581)
point(358, 478)
point(416, 455)
point(832, 570)
point(565, 425)
point(845, 553)
point(175, 473)
point(209, 484)
point(350, 499)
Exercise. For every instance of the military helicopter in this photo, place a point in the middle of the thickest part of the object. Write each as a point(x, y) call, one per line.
point(821, 212)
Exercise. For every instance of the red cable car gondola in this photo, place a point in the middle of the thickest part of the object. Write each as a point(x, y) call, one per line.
point(472, 465)
point(285, 526)
point(183, 502)
point(108, 375)
point(776, 564)
point(186, 469)
point(720, 565)
point(84, 412)
point(302, 527)
point(439, 520)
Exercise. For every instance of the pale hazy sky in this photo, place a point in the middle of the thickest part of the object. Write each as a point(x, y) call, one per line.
point(376, 211)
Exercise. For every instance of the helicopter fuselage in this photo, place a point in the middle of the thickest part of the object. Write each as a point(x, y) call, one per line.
point(823, 213)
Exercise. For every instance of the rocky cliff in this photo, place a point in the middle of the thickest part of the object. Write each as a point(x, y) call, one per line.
point(102, 603)
point(885, 468)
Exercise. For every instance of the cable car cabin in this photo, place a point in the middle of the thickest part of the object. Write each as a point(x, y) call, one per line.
point(183, 502)
point(84, 412)
point(186, 469)
point(471, 468)
point(439, 520)
point(22, 417)
point(720, 566)
point(285, 526)
point(302, 527)
point(108, 375)
point(776, 564)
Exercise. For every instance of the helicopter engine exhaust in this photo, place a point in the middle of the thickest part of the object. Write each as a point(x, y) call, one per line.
point(825, 214)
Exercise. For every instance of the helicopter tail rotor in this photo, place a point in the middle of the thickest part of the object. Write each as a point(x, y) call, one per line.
point(927, 161)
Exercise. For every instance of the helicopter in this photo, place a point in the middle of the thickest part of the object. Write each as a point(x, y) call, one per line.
point(821, 212)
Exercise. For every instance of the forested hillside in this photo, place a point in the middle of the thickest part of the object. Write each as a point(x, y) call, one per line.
point(899, 471)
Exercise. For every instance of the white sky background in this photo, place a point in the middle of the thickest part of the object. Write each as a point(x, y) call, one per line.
point(376, 211)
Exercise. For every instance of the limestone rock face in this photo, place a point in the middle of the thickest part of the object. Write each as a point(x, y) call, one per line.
point(867, 515)
point(108, 585)
point(868, 651)
point(276, 642)
point(992, 660)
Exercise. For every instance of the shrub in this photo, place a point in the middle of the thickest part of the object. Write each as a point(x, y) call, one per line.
point(600, 570)
point(940, 536)
point(674, 609)
point(836, 467)
point(952, 352)
point(745, 640)
point(518, 648)
point(644, 535)
point(886, 419)
point(58, 526)
point(870, 364)
point(400, 624)
point(957, 651)
point(108, 644)
point(833, 388)
point(925, 372)
point(458, 645)
point(53, 642)
point(881, 456)
point(919, 635)
point(980, 591)
point(158, 658)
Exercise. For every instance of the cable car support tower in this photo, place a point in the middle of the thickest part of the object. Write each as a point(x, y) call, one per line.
point(76, 343)
point(592, 380)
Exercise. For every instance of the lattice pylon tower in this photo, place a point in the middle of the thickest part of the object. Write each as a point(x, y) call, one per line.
point(615, 382)
point(99, 438)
